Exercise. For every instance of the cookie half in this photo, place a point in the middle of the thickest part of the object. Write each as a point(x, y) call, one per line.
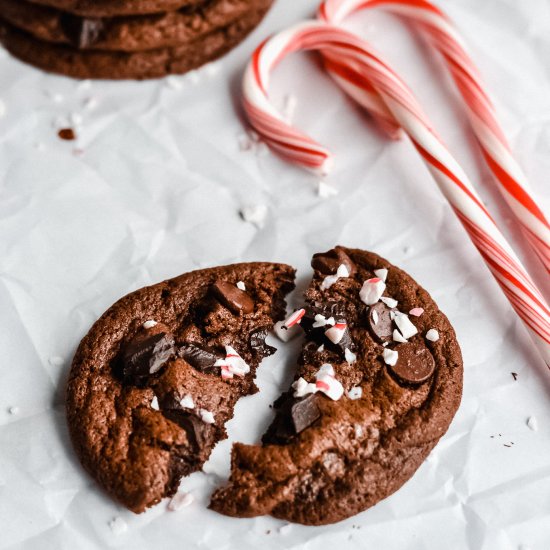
point(127, 34)
point(378, 383)
point(112, 8)
point(157, 377)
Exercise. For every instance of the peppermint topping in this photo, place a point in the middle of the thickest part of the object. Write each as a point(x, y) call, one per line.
point(187, 402)
point(355, 393)
point(372, 291)
point(350, 356)
point(416, 311)
point(325, 382)
point(390, 302)
point(206, 416)
point(155, 403)
point(341, 273)
point(321, 348)
point(532, 423)
point(336, 333)
point(321, 321)
point(381, 273)
point(255, 214)
point(397, 337)
point(285, 334)
point(375, 317)
point(241, 286)
point(294, 318)
point(302, 387)
point(179, 501)
point(407, 329)
point(432, 335)
point(233, 364)
point(325, 191)
point(390, 357)
point(149, 324)
point(118, 525)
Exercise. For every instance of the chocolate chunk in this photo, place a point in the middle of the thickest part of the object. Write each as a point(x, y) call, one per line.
point(327, 310)
point(198, 432)
point(380, 323)
point(199, 358)
point(258, 345)
point(82, 32)
point(329, 262)
point(145, 355)
point(415, 364)
point(233, 298)
point(304, 413)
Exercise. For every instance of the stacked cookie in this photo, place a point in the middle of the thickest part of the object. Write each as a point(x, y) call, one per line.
point(119, 39)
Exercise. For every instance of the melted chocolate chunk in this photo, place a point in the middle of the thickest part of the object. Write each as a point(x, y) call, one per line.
point(329, 262)
point(317, 334)
point(82, 32)
point(258, 345)
point(233, 298)
point(199, 358)
point(415, 364)
point(380, 323)
point(145, 355)
point(304, 413)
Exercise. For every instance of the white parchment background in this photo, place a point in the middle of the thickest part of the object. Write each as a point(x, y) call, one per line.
point(155, 191)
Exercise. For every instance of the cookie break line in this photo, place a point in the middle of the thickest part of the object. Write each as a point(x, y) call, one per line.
point(378, 88)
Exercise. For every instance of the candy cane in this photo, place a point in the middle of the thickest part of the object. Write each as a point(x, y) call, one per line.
point(523, 295)
point(435, 26)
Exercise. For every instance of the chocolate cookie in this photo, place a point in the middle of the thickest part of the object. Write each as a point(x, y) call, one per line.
point(126, 34)
point(368, 402)
point(111, 8)
point(157, 377)
point(130, 65)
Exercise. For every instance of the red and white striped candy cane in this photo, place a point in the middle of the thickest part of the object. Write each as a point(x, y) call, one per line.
point(437, 29)
point(525, 298)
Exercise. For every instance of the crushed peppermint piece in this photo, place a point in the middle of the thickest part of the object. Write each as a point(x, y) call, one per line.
point(390, 357)
point(254, 214)
point(241, 286)
point(432, 335)
point(321, 348)
point(532, 423)
point(398, 337)
point(327, 383)
point(326, 368)
point(372, 291)
point(325, 191)
point(118, 525)
point(90, 103)
point(284, 333)
point(13, 410)
point(285, 529)
point(349, 356)
point(187, 402)
point(407, 329)
point(416, 311)
point(211, 69)
point(381, 273)
point(155, 403)
point(56, 361)
point(390, 302)
point(149, 324)
point(301, 387)
point(295, 318)
point(336, 333)
point(341, 273)
point(355, 393)
point(375, 317)
point(321, 321)
point(179, 501)
point(206, 416)
point(232, 364)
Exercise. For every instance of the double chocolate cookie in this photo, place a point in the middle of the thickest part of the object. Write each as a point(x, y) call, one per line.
point(118, 45)
point(378, 383)
point(157, 377)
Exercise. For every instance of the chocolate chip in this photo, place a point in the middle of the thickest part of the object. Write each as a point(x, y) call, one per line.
point(415, 364)
point(380, 323)
point(258, 345)
point(233, 298)
point(82, 32)
point(304, 413)
point(199, 358)
point(145, 355)
point(329, 262)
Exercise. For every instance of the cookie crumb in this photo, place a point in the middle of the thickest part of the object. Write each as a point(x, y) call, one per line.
point(179, 501)
point(532, 423)
point(67, 134)
point(514, 375)
point(118, 525)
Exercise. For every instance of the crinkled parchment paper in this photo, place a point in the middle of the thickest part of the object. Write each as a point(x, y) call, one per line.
point(153, 187)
